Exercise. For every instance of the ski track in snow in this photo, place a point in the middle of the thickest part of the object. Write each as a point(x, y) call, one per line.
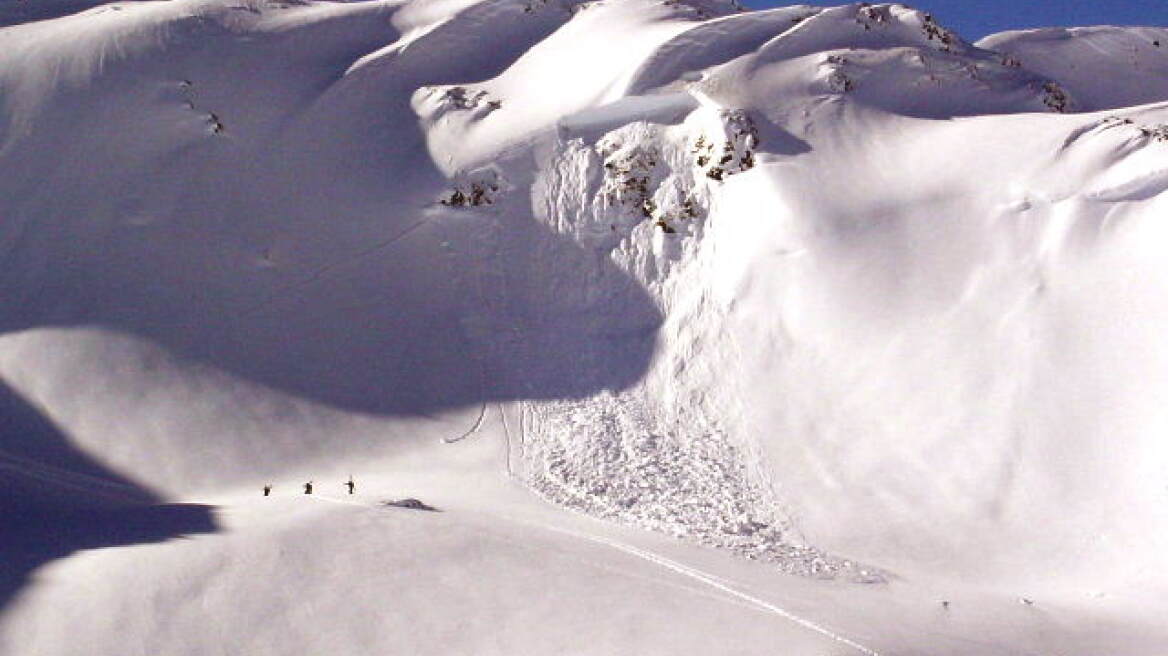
point(678, 568)
point(507, 439)
point(64, 480)
point(718, 584)
point(318, 274)
point(472, 430)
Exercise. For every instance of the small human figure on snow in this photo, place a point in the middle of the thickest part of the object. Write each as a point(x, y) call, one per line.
point(351, 485)
point(308, 487)
point(268, 490)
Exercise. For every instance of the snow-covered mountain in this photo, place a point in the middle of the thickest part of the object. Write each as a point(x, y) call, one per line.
point(861, 320)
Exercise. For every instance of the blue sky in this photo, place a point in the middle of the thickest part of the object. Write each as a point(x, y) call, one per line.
point(974, 19)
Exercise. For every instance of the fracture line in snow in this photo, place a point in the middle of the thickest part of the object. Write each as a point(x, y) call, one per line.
point(712, 581)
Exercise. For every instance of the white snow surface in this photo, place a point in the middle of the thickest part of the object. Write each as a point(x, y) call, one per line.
point(815, 330)
point(1103, 67)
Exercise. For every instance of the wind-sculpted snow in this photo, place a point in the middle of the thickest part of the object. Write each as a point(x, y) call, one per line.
point(1102, 67)
point(828, 288)
point(888, 56)
point(714, 42)
point(861, 26)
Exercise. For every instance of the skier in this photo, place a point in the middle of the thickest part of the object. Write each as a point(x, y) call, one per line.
point(351, 485)
point(308, 487)
point(268, 490)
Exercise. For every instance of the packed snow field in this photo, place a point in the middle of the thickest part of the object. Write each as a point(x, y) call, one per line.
point(813, 330)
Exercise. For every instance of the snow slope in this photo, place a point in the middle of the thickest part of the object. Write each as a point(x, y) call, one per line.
point(1103, 67)
point(870, 308)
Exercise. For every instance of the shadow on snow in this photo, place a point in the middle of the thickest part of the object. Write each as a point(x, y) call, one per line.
point(54, 501)
point(300, 247)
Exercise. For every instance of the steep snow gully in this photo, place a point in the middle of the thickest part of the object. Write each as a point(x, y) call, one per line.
point(829, 289)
